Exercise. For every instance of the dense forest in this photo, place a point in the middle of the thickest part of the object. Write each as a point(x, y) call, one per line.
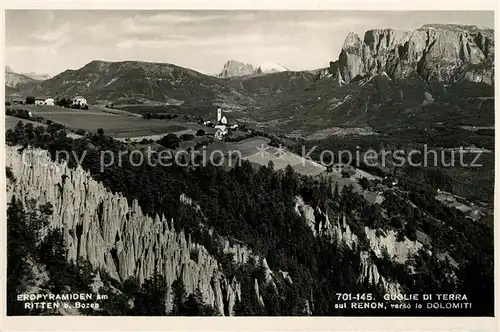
point(256, 206)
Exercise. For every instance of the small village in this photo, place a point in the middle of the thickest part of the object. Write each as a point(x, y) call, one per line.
point(76, 102)
point(221, 127)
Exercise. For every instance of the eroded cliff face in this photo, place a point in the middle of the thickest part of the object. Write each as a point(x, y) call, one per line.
point(398, 251)
point(443, 52)
point(104, 229)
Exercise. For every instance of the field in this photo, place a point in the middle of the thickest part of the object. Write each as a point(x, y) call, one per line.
point(115, 124)
point(257, 151)
point(11, 122)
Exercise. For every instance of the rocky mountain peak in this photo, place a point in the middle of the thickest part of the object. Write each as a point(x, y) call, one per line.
point(235, 68)
point(351, 41)
point(434, 51)
point(382, 39)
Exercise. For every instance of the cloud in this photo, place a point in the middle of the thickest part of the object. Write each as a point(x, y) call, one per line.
point(50, 35)
point(34, 50)
point(177, 18)
point(195, 39)
point(134, 42)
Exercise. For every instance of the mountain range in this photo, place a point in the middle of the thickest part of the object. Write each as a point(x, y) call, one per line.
point(14, 79)
point(235, 68)
point(387, 72)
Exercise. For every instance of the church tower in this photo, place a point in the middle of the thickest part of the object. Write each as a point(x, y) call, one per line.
point(219, 114)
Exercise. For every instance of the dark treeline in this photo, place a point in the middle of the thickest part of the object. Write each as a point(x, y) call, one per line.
point(256, 206)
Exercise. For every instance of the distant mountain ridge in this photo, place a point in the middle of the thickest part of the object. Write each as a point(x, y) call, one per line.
point(38, 76)
point(136, 82)
point(234, 68)
point(15, 80)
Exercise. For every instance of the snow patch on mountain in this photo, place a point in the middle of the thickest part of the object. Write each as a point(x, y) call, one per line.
point(270, 67)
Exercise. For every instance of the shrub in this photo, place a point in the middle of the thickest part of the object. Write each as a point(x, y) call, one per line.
point(364, 183)
point(80, 132)
point(30, 100)
point(193, 255)
point(9, 174)
point(170, 141)
point(200, 132)
point(187, 137)
point(275, 142)
point(7, 103)
point(63, 102)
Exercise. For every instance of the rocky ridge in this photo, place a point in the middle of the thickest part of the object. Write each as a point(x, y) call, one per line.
point(235, 68)
point(436, 51)
point(398, 251)
point(104, 229)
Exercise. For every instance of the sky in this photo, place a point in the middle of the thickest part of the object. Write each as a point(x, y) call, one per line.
point(51, 41)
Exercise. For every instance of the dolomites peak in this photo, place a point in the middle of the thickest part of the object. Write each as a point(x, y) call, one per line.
point(444, 52)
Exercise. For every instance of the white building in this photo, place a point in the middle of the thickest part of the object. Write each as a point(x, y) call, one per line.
point(79, 100)
point(50, 102)
point(219, 134)
point(39, 101)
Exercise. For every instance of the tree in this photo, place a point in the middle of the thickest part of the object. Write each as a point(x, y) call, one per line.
point(195, 306)
point(170, 141)
point(200, 132)
point(179, 295)
point(100, 132)
point(23, 244)
point(187, 137)
point(364, 183)
point(30, 100)
point(63, 102)
point(150, 301)
point(275, 142)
